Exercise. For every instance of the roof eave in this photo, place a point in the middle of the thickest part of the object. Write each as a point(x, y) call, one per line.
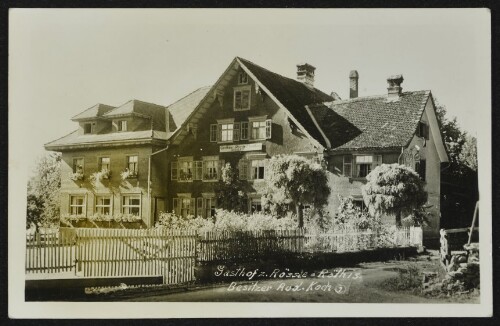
point(68, 147)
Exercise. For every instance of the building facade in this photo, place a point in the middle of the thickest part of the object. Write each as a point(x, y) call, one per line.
point(248, 116)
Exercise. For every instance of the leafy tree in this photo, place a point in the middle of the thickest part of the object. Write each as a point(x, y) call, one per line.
point(294, 181)
point(393, 189)
point(43, 191)
point(228, 191)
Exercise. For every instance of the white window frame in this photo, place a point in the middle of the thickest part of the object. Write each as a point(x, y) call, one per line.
point(128, 206)
point(243, 170)
point(185, 163)
point(255, 201)
point(97, 206)
point(135, 172)
point(257, 164)
point(100, 162)
point(122, 125)
point(211, 160)
point(83, 206)
point(198, 170)
point(242, 90)
point(372, 160)
point(227, 130)
point(183, 205)
point(92, 127)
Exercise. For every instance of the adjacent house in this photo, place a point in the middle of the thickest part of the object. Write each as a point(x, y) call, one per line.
point(249, 115)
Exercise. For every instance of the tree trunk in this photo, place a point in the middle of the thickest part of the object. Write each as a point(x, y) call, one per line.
point(398, 219)
point(300, 215)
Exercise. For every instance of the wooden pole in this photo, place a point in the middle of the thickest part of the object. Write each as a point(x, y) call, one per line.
point(473, 222)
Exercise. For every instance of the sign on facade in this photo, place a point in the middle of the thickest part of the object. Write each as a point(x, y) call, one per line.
point(241, 148)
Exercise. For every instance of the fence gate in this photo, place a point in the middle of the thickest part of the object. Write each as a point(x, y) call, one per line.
point(121, 252)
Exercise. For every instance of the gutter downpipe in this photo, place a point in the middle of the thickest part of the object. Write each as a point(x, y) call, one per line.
point(149, 178)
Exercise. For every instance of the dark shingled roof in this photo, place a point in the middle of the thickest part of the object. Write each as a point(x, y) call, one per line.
point(371, 122)
point(293, 94)
point(93, 112)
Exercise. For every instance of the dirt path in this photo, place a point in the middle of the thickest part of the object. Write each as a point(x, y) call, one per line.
point(364, 289)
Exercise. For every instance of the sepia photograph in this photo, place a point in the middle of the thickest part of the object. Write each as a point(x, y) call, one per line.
point(209, 161)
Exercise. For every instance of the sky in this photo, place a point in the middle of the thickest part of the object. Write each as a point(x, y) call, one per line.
point(63, 61)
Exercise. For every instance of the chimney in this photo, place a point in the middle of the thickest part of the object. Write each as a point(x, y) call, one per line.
point(305, 74)
point(394, 89)
point(353, 84)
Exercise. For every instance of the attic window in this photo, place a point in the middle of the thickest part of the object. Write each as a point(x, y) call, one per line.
point(423, 130)
point(88, 128)
point(241, 98)
point(122, 125)
point(242, 78)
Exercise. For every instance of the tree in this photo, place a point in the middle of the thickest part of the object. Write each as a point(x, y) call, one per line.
point(393, 189)
point(229, 191)
point(293, 181)
point(43, 191)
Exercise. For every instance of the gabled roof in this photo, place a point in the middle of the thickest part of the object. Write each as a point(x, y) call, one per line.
point(135, 106)
point(294, 96)
point(181, 109)
point(75, 140)
point(371, 122)
point(96, 111)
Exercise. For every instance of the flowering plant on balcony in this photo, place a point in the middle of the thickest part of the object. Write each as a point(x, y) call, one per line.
point(76, 176)
point(72, 218)
point(104, 174)
point(184, 176)
point(126, 174)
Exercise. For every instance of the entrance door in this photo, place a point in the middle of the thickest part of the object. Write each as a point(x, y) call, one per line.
point(159, 207)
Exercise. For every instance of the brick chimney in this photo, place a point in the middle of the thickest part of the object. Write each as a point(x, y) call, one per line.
point(394, 90)
point(305, 74)
point(353, 84)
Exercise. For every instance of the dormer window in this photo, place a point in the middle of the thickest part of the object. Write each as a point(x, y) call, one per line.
point(423, 130)
point(88, 128)
point(242, 78)
point(122, 125)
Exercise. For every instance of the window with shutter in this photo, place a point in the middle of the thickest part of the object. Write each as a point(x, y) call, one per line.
point(347, 166)
point(241, 100)
point(175, 205)
point(199, 206)
point(173, 170)
point(213, 133)
point(243, 170)
point(198, 170)
point(236, 131)
point(192, 206)
point(269, 124)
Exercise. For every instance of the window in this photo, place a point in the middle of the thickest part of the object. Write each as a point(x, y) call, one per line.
point(242, 98)
point(104, 163)
point(173, 170)
point(78, 164)
point(257, 169)
point(213, 133)
point(347, 166)
point(198, 170)
point(242, 78)
point(77, 205)
point(423, 130)
point(244, 130)
point(132, 164)
point(131, 205)
point(420, 169)
point(183, 206)
point(226, 132)
point(243, 170)
point(255, 205)
point(210, 169)
point(206, 207)
point(366, 163)
point(122, 125)
point(103, 205)
point(186, 170)
point(261, 129)
point(88, 128)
